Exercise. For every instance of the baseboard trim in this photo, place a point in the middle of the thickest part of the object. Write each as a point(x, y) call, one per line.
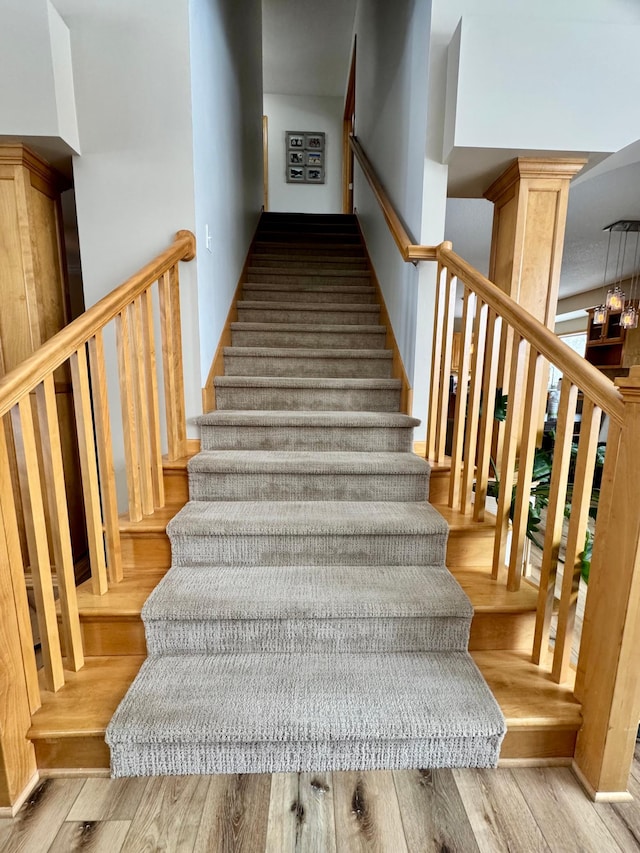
point(12, 811)
point(599, 796)
point(75, 773)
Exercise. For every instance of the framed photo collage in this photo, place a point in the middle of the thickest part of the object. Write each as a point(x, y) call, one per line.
point(305, 157)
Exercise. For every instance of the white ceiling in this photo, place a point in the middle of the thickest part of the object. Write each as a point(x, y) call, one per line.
point(306, 46)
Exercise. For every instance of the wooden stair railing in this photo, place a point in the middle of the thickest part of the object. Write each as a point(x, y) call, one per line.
point(29, 429)
point(503, 346)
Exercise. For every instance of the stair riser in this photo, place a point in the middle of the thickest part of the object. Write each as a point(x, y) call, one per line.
point(308, 295)
point(153, 552)
point(323, 368)
point(267, 757)
point(341, 636)
point(335, 252)
point(328, 237)
point(291, 277)
point(307, 487)
point(301, 399)
point(309, 550)
point(305, 438)
point(306, 264)
point(326, 316)
point(313, 340)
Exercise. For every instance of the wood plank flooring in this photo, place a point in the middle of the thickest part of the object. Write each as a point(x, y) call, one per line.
point(461, 811)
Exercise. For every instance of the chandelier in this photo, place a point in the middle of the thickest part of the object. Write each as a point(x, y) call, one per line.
point(615, 301)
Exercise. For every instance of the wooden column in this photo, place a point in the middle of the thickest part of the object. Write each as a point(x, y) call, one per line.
point(530, 199)
point(608, 673)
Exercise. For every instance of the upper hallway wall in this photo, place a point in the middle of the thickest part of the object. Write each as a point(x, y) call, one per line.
point(391, 123)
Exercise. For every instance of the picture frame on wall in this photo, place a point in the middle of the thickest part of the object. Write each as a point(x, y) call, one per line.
point(305, 157)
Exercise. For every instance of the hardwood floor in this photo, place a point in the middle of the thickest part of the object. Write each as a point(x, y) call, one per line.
point(461, 811)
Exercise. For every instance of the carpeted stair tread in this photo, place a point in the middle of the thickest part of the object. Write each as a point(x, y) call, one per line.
point(334, 313)
point(307, 475)
point(315, 335)
point(304, 518)
point(309, 592)
point(244, 713)
point(308, 274)
point(382, 420)
point(308, 462)
point(308, 352)
point(310, 294)
point(306, 382)
point(304, 430)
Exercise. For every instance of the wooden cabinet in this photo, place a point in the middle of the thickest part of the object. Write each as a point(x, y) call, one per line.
point(610, 347)
point(34, 295)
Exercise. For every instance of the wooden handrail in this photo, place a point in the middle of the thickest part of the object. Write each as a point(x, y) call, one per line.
point(55, 351)
point(409, 250)
point(597, 386)
point(588, 378)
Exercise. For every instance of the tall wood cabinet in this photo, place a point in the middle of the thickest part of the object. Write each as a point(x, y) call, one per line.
point(34, 299)
point(611, 348)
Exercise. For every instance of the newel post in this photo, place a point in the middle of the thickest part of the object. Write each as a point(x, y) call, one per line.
point(608, 674)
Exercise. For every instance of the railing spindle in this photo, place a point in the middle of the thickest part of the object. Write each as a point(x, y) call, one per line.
point(479, 336)
point(555, 517)
point(89, 470)
point(169, 295)
point(129, 424)
point(9, 522)
point(510, 450)
point(153, 409)
point(437, 379)
point(487, 421)
point(445, 366)
point(580, 502)
point(141, 403)
point(102, 424)
point(53, 472)
point(469, 304)
point(530, 426)
point(34, 519)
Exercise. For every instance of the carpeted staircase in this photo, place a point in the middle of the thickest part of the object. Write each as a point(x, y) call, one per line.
point(308, 621)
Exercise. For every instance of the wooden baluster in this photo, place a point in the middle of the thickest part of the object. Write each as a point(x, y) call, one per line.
point(510, 451)
point(153, 408)
point(140, 397)
point(609, 691)
point(53, 472)
point(600, 555)
point(89, 470)
point(529, 435)
point(468, 308)
point(487, 420)
point(555, 516)
point(169, 295)
point(36, 530)
point(9, 523)
point(580, 501)
point(478, 338)
point(104, 444)
point(129, 424)
point(445, 366)
point(437, 378)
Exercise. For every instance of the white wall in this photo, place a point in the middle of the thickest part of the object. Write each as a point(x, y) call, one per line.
point(36, 96)
point(305, 113)
point(226, 74)
point(502, 71)
point(391, 124)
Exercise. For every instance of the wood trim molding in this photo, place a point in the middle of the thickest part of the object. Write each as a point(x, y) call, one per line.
point(21, 155)
point(553, 168)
